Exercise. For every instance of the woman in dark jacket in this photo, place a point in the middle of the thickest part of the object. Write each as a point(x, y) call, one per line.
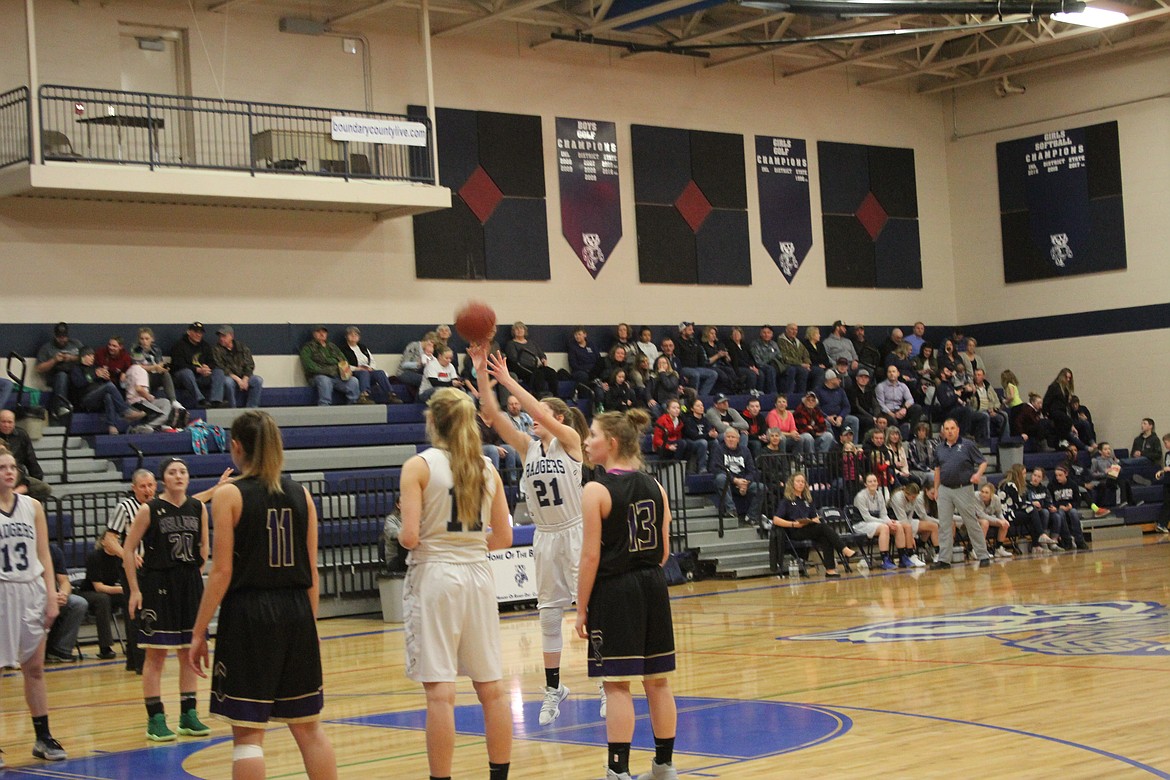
point(369, 376)
point(662, 387)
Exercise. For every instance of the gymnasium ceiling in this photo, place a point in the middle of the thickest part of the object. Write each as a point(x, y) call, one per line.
point(937, 50)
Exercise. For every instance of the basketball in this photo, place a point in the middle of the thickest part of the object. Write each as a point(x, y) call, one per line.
point(475, 321)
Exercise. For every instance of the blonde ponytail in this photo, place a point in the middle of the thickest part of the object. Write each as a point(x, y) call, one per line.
point(260, 439)
point(452, 426)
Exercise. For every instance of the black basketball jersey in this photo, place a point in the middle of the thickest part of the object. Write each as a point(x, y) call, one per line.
point(631, 535)
point(175, 535)
point(271, 539)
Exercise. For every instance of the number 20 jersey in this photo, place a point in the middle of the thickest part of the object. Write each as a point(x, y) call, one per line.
point(552, 485)
point(175, 535)
point(18, 542)
point(631, 535)
point(271, 539)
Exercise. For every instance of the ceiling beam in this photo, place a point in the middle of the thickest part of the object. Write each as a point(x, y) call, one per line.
point(637, 16)
point(223, 5)
point(362, 12)
point(850, 26)
point(504, 14)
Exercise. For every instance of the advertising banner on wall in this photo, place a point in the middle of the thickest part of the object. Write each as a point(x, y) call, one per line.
point(785, 211)
point(591, 208)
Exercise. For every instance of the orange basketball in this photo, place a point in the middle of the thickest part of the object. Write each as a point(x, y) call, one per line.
point(475, 321)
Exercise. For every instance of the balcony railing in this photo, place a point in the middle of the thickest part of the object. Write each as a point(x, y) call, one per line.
point(179, 131)
point(14, 124)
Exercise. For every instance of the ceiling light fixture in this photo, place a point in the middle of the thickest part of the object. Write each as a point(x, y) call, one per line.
point(1093, 17)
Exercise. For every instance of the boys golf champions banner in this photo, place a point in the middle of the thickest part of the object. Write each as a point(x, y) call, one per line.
point(591, 208)
point(785, 212)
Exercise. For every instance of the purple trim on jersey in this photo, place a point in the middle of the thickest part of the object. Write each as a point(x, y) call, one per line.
point(621, 471)
point(302, 707)
point(631, 667)
point(158, 638)
point(246, 711)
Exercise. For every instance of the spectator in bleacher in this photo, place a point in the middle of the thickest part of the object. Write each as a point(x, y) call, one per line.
point(442, 335)
point(819, 360)
point(159, 411)
point(1037, 495)
point(371, 380)
point(1066, 496)
point(440, 373)
point(621, 395)
point(754, 378)
point(503, 456)
point(699, 433)
point(645, 344)
point(662, 387)
point(21, 447)
point(693, 361)
point(797, 519)
point(114, 358)
point(863, 400)
point(868, 355)
point(1083, 421)
point(1022, 513)
point(794, 378)
point(55, 359)
point(669, 353)
point(584, 361)
point(837, 345)
point(415, 358)
point(926, 367)
point(1163, 475)
point(947, 355)
point(773, 466)
point(784, 421)
point(610, 362)
point(1034, 428)
point(757, 426)
point(668, 433)
point(735, 473)
point(985, 400)
point(1111, 488)
point(1011, 393)
point(920, 452)
point(899, 456)
point(815, 435)
point(971, 360)
point(1056, 407)
point(91, 391)
point(147, 354)
point(103, 593)
point(1145, 444)
point(891, 343)
point(197, 376)
point(71, 610)
point(520, 419)
point(721, 416)
point(908, 504)
point(834, 403)
point(991, 515)
point(327, 369)
point(879, 461)
point(241, 383)
point(875, 521)
point(948, 404)
point(529, 363)
point(766, 354)
point(719, 360)
point(622, 338)
point(643, 369)
point(895, 400)
point(916, 340)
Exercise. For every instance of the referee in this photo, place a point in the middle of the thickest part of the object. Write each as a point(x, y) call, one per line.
point(959, 466)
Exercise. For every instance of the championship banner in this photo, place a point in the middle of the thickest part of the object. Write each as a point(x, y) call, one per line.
point(785, 211)
point(591, 208)
point(1060, 203)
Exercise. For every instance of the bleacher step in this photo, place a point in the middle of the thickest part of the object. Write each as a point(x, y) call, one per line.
point(707, 539)
point(77, 467)
point(295, 416)
point(737, 560)
point(744, 572)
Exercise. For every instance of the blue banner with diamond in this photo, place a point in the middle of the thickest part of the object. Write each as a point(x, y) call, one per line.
point(785, 209)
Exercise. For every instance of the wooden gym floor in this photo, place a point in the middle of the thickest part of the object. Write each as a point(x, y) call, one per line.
point(1054, 666)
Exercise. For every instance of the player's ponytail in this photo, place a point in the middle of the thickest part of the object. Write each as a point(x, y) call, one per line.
point(263, 448)
point(626, 429)
point(451, 424)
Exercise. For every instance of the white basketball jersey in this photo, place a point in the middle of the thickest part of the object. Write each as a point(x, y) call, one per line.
point(552, 483)
point(441, 536)
point(18, 542)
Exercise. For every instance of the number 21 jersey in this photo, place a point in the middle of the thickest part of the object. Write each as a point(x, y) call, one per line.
point(552, 483)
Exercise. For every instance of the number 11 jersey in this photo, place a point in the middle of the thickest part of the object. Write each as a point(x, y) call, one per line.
point(271, 540)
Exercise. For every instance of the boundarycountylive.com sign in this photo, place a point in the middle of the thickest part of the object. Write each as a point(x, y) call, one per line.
point(378, 131)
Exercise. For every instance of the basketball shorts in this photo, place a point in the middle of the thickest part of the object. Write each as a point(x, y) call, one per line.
point(868, 527)
point(170, 601)
point(452, 622)
point(556, 554)
point(22, 620)
point(267, 659)
point(631, 633)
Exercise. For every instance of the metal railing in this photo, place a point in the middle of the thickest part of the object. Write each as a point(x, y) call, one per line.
point(672, 475)
point(833, 480)
point(180, 131)
point(15, 143)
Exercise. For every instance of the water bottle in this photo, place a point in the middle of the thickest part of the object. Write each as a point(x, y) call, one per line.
point(793, 570)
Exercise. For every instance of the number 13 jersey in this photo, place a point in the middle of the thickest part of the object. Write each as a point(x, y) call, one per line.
point(552, 484)
point(18, 542)
point(631, 534)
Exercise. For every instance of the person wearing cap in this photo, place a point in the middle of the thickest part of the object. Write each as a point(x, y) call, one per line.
point(195, 371)
point(863, 400)
point(838, 346)
point(55, 359)
point(812, 425)
point(721, 416)
point(835, 405)
point(235, 360)
point(327, 369)
point(693, 360)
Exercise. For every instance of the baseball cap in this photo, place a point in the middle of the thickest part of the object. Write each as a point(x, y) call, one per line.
point(838, 324)
point(810, 393)
point(61, 329)
point(721, 398)
point(225, 330)
point(320, 327)
point(769, 327)
point(847, 432)
point(683, 325)
point(830, 375)
point(842, 361)
point(863, 372)
point(196, 326)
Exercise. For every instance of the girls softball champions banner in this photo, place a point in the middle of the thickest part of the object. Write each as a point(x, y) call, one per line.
point(785, 211)
point(591, 206)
